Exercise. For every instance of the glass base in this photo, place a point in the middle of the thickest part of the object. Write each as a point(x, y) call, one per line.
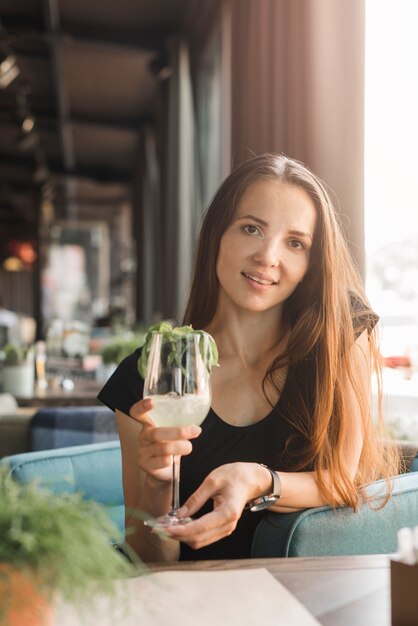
point(166, 521)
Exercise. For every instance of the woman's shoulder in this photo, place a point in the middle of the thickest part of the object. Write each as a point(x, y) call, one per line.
point(363, 316)
point(125, 386)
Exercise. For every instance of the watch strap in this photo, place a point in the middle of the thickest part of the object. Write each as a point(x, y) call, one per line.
point(262, 502)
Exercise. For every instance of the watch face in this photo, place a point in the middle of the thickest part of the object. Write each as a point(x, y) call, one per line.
point(263, 503)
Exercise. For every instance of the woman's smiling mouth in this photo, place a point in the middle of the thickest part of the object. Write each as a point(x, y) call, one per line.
point(259, 279)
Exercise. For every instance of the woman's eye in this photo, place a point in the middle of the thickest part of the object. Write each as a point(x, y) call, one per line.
point(296, 244)
point(251, 230)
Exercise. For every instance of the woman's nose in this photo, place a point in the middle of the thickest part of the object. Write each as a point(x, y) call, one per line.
point(268, 254)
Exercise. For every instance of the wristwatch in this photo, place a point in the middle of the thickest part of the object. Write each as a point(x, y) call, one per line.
point(263, 502)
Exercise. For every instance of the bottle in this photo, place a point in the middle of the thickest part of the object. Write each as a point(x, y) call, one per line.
point(40, 364)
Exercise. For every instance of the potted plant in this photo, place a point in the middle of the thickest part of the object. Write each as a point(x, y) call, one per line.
point(18, 370)
point(116, 350)
point(52, 545)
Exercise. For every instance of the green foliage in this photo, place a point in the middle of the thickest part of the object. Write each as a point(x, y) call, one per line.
point(15, 354)
point(118, 349)
point(62, 541)
point(207, 345)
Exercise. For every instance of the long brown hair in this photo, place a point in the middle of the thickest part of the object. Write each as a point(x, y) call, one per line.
point(321, 313)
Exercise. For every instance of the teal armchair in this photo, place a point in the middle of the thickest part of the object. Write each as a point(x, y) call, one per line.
point(323, 531)
point(95, 470)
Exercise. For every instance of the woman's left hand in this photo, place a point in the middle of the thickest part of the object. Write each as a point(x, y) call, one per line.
point(230, 487)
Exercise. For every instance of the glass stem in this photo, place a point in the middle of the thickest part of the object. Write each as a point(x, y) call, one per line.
point(175, 494)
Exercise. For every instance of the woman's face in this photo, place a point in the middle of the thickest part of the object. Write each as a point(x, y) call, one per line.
point(264, 252)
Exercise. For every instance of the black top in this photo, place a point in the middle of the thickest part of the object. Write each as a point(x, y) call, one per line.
point(220, 443)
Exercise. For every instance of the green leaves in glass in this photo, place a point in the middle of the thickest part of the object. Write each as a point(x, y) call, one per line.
point(207, 345)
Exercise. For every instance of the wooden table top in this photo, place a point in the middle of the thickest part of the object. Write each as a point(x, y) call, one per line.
point(338, 591)
point(84, 394)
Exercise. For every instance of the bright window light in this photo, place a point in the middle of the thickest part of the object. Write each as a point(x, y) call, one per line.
point(391, 170)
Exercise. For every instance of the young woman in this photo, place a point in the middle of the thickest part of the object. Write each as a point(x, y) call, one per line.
point(275, 285)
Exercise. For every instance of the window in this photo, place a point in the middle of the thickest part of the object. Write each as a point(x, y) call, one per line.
point(391, 195)
point(391, 198)
point(76, 276)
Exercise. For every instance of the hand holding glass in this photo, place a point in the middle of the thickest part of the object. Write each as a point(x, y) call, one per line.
point(178, 382)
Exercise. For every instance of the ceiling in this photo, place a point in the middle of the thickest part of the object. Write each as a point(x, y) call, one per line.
point(88, 82)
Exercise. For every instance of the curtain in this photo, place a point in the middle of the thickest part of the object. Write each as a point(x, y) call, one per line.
point(298, 87)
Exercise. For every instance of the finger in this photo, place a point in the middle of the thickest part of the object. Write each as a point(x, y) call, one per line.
point(201, 541)
point(154, 463)
point(203, 525)
point(155, 435)
point(216, 534)
point(139, 411)
point(202, 494)
point(166, 448)
point(204, 531)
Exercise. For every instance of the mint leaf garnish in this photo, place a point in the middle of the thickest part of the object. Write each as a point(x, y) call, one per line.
point(207, 345)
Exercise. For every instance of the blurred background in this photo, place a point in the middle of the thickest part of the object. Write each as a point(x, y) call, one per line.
point(118, 120)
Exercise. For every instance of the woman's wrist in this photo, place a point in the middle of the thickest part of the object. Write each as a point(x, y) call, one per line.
point(267, 499)
point(257, 478)
point(156, 496)
point(265, 483)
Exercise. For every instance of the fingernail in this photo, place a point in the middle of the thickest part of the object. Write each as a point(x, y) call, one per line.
point(196, 430)
point(183, 511)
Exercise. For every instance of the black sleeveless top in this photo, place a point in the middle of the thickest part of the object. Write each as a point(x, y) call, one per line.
point(220, 443)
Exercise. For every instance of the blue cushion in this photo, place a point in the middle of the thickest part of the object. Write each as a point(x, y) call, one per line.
point(94, 470)
point(323, 531)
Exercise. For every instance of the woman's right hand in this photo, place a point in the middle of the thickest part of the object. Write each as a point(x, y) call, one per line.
point(156, 445)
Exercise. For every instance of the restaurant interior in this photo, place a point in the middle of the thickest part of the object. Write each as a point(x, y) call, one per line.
point(118, 121)
point(118, 125)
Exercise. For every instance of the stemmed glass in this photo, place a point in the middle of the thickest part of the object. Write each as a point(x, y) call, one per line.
point(178, 382)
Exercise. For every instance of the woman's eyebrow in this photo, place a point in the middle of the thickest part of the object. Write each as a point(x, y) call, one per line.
point(300, 233)
point(252, 217)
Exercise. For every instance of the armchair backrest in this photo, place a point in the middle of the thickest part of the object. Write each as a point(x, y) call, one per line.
point(94, 470)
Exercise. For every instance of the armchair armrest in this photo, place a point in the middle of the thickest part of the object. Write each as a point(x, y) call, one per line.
point(324, 531)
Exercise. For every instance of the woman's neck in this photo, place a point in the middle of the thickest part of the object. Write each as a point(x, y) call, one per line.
point(249, 336)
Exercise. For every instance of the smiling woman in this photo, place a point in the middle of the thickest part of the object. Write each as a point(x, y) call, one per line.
point(290, 424)
point(261, 261)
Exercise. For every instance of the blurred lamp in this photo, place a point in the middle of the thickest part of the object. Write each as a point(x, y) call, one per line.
point(28, 124)
point(8, 70)
point(28, 137)
point(13, 264)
